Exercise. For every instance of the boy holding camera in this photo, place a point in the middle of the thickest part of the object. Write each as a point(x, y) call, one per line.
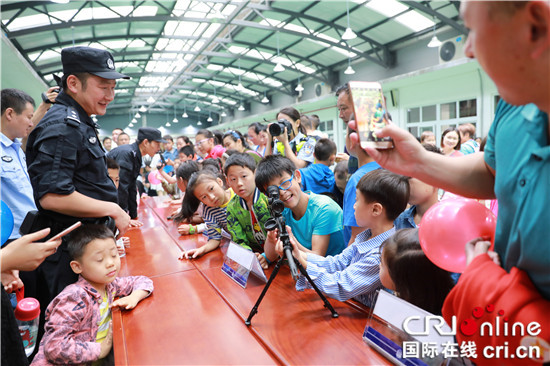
point(315, 220)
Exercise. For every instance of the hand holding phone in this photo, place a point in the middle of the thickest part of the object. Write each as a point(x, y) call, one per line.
point(66, 231)
point(369, 109)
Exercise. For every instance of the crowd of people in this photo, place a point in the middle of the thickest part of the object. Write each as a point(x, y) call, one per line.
point(352, 216)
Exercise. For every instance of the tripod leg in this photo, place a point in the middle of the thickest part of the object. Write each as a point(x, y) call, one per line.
point(266, 287)
point(325, 301)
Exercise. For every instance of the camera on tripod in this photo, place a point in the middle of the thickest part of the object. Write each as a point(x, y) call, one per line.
point(277, 128)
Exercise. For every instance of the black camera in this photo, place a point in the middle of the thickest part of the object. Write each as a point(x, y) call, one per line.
point(277, 128)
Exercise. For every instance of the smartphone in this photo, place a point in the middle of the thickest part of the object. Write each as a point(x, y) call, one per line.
point(66, 231)
point(162, 158)
point(369, 110)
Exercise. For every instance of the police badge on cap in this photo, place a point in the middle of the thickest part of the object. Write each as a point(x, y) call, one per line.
point(92, 60)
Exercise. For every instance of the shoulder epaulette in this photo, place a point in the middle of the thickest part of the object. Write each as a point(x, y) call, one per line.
point(72, 117)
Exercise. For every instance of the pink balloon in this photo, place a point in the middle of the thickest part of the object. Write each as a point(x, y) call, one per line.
point(448, 225)
point(153, 177)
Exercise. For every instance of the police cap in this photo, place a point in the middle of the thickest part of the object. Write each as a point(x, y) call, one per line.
point(150, 133)
point(92, 60)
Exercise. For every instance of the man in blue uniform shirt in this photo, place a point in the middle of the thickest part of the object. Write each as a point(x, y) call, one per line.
point(66, 161)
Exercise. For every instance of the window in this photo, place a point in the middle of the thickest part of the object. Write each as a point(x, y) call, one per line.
point(448, 110)
point(413, 115)
point(467, 108)
point(429, 113)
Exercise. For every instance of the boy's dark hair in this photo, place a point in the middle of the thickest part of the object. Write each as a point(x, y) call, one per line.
point(240, 159)
point(84, 235)
point(324, 149)
point(187, 168)
point(168, 137)
point(15, 99)
point(272, 166)
point(315, 121)
point(112, 164)
point(341, 168)
point(187, 150)
point(212, 164)
point(432, 148)
point(416, 279)
point(389, 189)
point(306, 122)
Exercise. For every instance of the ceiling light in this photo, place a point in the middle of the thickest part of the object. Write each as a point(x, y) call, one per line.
point(134, 120)
point(241, 107)
point(184, 115)
point(142, 109)
point(265, 100)
point(215, 100)
point(209, 119)
point(197, 108)
point(150, 100)
point(175, 120)
point(224, 114)
point(349, 70)
point(199, 123)
point(348, 34)
point(137, 115)
point(299, 87)
point(278, 67)
point(434, 42)
point(168, 124)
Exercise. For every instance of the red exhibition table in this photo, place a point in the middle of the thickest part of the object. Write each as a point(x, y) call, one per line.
point(196, 313)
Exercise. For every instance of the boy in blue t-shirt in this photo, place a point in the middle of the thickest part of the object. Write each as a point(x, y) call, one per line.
point(318, 178)
point(315, 220)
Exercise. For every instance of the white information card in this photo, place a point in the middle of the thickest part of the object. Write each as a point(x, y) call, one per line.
point(239, 262)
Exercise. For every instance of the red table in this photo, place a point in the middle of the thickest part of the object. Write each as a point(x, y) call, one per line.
point(196, 313)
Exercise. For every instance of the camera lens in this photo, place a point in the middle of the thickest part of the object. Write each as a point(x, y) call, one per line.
point(275, 129)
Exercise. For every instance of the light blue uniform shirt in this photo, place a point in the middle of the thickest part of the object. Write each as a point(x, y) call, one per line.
point(15, 188)
point(519, 150)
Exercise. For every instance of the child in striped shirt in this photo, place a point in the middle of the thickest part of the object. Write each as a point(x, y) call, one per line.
point(354, 273)
point(77, 329)
point(207, 187)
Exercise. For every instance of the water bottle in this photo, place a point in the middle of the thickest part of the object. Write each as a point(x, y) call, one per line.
point(27, 316)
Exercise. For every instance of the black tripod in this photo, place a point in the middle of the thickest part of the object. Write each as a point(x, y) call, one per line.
point(278, 222)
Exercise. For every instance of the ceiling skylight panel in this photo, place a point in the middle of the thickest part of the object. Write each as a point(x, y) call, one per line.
point(161, 44)
point(415, 21)
point(64, 15)
point(197, 45)
point(200, 29)
point(295, 28)
point(237, 49)
point(252, 75)
point(175, 45)
point(170, 27)
point(234, 70)
point(198, 80)
point(146, 90)
point(114, 45)
point(136, 43)
point(211, 30)
point(144, 11)
point(29, 21)
point(186, 28)
point(182, 5)
point(304, 68)
point(46, 55)
point(283, 60)
point(258, 55)
point(121, 91)
point(228, 101)
point(179, 65)
point(273, 82)
point(214, 67)
point(216, 83)
point(122, 10)
point(200, 7)
point(229, 9)
point(272, 23)
point(343, 52)
point(388, 8)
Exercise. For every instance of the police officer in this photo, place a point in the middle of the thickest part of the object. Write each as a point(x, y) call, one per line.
point(129, 157)
point(66, 162)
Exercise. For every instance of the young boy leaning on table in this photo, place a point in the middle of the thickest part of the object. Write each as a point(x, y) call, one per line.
point(78, 321)
point(355, 273)
point(248, 210)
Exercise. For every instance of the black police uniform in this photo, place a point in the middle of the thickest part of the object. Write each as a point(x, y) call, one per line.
point(64, 155)
point(129, 158)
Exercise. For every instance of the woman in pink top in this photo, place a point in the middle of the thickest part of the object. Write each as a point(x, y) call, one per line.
point(450, 142)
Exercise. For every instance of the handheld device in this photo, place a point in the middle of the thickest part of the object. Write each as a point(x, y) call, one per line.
point(66, 231)
point(162, 158)
point(369, 110)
